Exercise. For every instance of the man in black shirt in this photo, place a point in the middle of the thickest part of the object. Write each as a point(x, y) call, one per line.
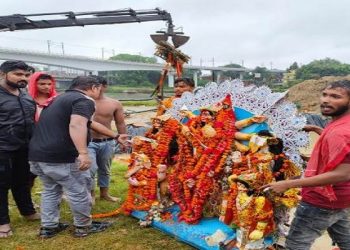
point(17, 111)
point(58, 154)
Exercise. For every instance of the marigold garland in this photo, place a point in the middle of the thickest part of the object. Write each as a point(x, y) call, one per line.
point(142, 197)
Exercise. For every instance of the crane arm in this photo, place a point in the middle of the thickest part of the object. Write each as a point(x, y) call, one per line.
point(28, 22)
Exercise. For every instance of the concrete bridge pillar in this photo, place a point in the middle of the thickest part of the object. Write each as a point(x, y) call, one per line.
point(195, 78)
point(241, 75)
point(171, 79)
point(218, 76)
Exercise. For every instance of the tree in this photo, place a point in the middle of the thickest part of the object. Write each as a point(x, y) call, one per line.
point(292, 67)
point(320, 68)
point(134, 77)
point(134, 58)
point(232, 74)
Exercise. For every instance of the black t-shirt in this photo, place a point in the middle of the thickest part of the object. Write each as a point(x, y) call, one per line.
point(51, 141)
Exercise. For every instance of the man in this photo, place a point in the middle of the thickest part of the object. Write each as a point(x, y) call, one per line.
point(325, 201)
point(17, 111)
point(42, 88)
point(101, 148)
point(59, 156)
point(181, 85)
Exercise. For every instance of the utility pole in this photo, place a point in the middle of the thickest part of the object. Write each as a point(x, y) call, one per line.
point(242, 63)
point(113, 52)
point(213, 62)
point(200, 62)
point(49, 46)
point(103, 53)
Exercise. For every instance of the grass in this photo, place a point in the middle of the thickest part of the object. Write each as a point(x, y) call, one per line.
point(124, 234)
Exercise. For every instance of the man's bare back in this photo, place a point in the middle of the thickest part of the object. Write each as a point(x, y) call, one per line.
point(107, 110)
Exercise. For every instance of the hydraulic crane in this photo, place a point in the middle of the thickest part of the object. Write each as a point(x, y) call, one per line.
point(174, 57)
point(28, 21)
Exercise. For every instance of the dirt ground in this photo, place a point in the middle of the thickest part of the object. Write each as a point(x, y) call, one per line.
point(306, 94)
point(323, 243)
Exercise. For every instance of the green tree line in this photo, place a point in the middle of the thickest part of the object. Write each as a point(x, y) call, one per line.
point(136, 78)
point(320, 68)
point(259, 75)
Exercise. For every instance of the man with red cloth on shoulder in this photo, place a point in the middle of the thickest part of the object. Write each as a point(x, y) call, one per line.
point(325, 203)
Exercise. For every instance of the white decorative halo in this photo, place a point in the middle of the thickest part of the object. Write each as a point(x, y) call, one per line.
point(282, 116)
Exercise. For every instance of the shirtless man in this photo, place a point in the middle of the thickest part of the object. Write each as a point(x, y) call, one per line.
point(101, 148)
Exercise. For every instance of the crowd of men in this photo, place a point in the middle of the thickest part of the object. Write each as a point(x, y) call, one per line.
point(66, 139)
point(66, 148)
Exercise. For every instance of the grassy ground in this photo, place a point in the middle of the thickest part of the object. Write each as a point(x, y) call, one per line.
point(124, 234)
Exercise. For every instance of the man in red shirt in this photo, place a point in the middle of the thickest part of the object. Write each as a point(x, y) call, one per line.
point(325, 203)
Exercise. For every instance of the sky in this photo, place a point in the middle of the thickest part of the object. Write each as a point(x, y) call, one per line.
point(269, 33)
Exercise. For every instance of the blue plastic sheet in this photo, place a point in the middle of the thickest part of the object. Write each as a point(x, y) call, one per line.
point(193, 235)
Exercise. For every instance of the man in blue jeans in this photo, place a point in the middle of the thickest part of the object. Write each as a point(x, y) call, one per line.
point(101, 148)
point(325, 201)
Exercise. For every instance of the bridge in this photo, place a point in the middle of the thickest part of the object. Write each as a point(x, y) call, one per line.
point(93, 65)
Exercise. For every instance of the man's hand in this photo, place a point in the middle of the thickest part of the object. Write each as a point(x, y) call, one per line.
point(84, 161)
point(123, 139)
point(277, 187)
point(313, 128)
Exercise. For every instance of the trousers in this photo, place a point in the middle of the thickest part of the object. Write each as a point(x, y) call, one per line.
point(15, 176)
point(64, 177)
point(310, 222)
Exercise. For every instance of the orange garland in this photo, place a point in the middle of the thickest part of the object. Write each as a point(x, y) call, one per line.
point(207, 169)
point(142, 197)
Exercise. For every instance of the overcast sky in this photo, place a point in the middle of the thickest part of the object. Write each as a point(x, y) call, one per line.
point(253, 32)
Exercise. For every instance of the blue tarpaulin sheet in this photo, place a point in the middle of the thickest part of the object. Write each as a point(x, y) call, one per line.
point(193, 235)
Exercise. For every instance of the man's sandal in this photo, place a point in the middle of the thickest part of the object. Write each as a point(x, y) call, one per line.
point(6, 234)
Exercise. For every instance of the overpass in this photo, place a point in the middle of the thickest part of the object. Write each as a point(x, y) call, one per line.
point(93, 65)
